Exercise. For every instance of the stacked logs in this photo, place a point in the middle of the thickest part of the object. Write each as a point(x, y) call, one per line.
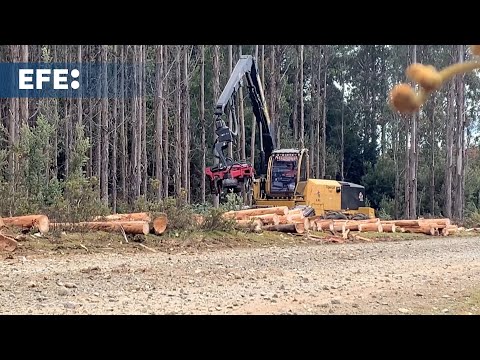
point(283, 219)
point(278, 218)
point(133, 223)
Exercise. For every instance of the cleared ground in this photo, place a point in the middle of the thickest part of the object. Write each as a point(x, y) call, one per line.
point(250, 275)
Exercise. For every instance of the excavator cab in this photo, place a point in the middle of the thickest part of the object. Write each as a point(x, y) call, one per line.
point(287, 170)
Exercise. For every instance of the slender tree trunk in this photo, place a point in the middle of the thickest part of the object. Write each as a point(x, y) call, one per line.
point(342, 140)
point(296, 120)
point(318, 110)
point(432, 167)
point(230, 119)
point(12, 128)
point(202, 120)
point(186, 126)
point(178, 122)
point(159, 122)
point(458, 203)
point(449, 149)
point(114, 132)
point(144, 122)
point(123, 137)
point(313, 120)
point(104, 167)
point(243, 154)
point(254, 123)
point(396, 141)
point(302, 115)
point(324, 119)
point(166, 141)
point(413, 157)
point(79, 100)
point(134, 126)
point(23, 101)
point(273, 93)
point(216, 94)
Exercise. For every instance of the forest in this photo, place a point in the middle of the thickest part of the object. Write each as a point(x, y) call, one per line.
point(73, 157)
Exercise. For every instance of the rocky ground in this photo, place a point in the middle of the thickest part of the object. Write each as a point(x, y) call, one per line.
point(422, 276)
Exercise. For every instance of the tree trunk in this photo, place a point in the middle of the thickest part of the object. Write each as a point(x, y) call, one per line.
point(216, 94)
point(114, 132)
point(143, 97)
point(24, 100)
point(123, 137)
point(243, 154)
point(318, 110)
point(458, 203)
point(166, 168)
point(324, 119)
point(178, 122)
point(296, 120)
point(12, 128)
point(302, 115)
point(273, 93)
point(186, 125)
point(312, 142)
point(104, 167)
point(230, 119)
point(159, 122)
point(413, 157)
point(432, 166)
point(202, 120)
point(449, 149)
point(342, 140)
point(135, 186)
point(254, 123)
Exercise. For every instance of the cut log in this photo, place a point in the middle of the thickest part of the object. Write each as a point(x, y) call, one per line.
point(323, 225)
point(141, 216)
point(130, 227)
point(267, 219)
point(295, 217)
point(401, 223)
point(39, 222)
point(374, 227)
point(283, 219)
point(7, 243)
point(253, 225)
point(2, 224)
point(160, 223)
point(443, 221)
point(295, 212)
point(287, 228)
point(240, 214)
point(424, 229)
point(449, 230)
point(338, 228)
point(304, 221)
point(389, 228)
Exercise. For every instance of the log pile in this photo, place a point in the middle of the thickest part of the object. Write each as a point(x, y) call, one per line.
point(133, 223)
point(282, 219)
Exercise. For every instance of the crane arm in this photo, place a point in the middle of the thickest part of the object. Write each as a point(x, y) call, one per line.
point(245, 67)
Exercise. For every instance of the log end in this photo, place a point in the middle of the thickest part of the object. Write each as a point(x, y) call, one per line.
point(42, 223)
point(7, 243)
point(160, 224)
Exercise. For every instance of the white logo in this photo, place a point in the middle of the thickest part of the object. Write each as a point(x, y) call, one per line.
point(360, 196)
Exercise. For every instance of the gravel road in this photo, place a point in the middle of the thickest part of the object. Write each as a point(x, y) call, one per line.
point(432, 276)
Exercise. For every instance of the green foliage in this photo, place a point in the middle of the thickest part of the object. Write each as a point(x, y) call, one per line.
point(386, 209)
point(215, 221)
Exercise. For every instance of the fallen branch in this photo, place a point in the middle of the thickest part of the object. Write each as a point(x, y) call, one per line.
point(148, 248)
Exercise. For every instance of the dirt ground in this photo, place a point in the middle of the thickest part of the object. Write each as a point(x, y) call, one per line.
point(230, 274)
